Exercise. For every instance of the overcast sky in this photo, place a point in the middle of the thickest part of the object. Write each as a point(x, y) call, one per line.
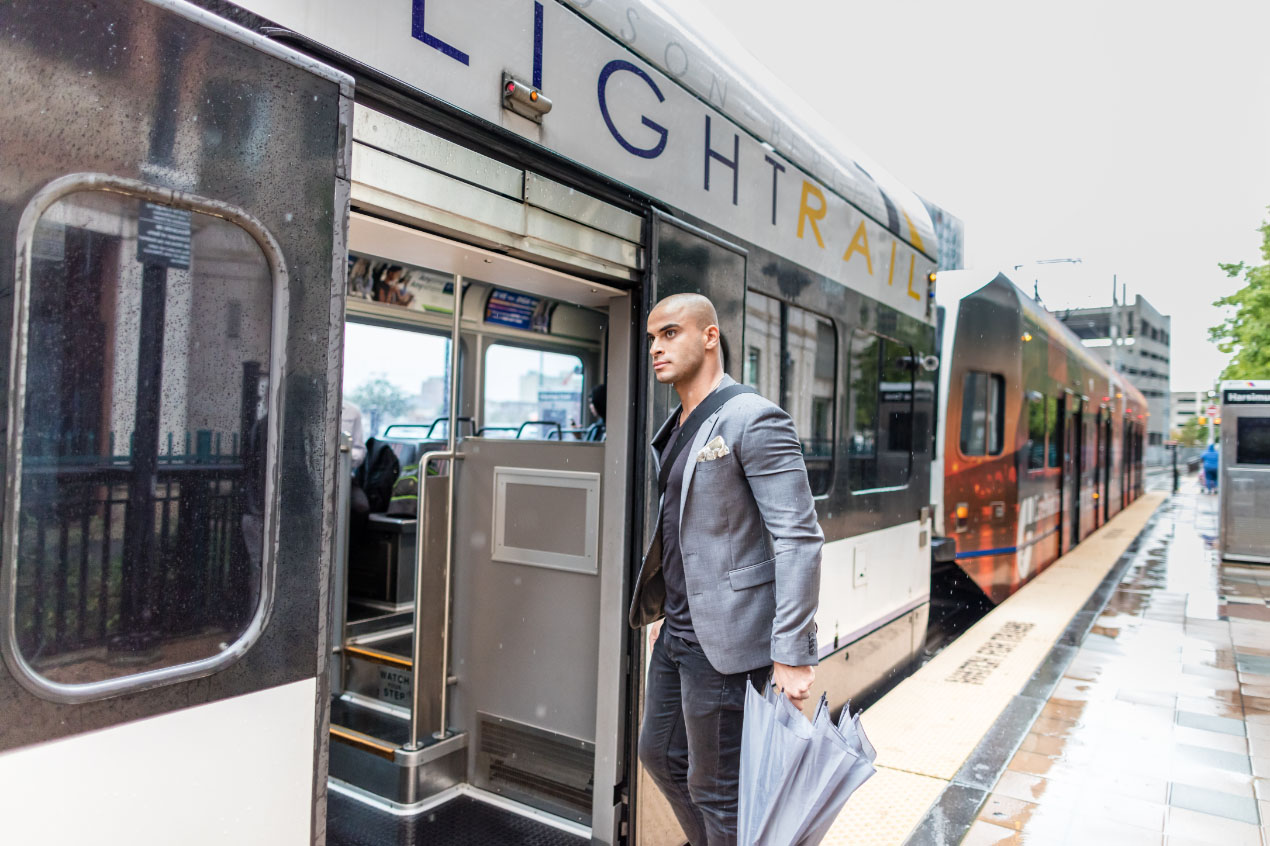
point(1132, 135)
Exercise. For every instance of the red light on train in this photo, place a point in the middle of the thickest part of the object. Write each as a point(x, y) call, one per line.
point(511, 88)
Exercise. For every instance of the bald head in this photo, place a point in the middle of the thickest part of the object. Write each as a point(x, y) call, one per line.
point(691, 309)
point(683, 341)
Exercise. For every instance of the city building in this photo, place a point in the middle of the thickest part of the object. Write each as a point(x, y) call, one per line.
point(1139, 349)
point(950, 233)
point(1184, 406)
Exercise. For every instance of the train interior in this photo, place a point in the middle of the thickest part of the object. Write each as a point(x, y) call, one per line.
point(447, 647)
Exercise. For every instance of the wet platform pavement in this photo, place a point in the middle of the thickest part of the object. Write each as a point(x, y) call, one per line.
point(1158, 730)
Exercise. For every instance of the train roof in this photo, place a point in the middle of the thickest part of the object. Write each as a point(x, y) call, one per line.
point(684, 41)
point(964, 284)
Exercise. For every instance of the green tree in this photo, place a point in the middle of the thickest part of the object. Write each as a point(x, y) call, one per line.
point(380, 399)
point(1191, 433)
point(1245, 333)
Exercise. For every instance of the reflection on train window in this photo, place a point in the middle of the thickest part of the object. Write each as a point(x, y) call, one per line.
point(1051, 417)
point(524, 385)
point(395, 376)
point(1036, 429)
point(880, 385)
point(791, 358)
point(143, 488)
point(982, 414)
point(1252, 440)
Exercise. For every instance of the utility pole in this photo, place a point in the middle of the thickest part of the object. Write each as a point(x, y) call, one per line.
point(1115, 324)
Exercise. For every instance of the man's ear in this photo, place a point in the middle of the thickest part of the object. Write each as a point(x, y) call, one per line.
point(712, 337)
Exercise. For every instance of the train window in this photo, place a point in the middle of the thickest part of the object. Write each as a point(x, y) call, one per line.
point(982, 414)
point(395, 376)
point(806, 344)
point(527, 385)
point(144, 493)
point(1051, 416)
point(1252, 441)
point(880, 379)
point(1036, 430)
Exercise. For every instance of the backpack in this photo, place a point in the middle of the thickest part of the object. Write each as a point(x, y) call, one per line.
point(378, 473)
point(405, 493)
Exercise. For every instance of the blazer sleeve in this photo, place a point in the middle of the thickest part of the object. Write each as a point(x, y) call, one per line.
point(771, 457)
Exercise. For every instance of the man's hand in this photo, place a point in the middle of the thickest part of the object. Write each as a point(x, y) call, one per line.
point(795, 682)
point(654, 630)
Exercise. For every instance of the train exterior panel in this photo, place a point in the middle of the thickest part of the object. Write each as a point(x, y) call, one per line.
point(422, 239)
point(1042, 441)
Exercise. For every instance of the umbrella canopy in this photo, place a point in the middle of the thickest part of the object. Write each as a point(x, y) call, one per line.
point(796, 775)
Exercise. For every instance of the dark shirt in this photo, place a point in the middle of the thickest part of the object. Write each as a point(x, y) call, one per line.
point(678, 615)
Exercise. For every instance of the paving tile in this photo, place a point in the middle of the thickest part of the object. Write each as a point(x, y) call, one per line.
point(1144, 786)
point(1209, 722)
point(1186, 755)
point(1006, 811)
point(1135, 812)
point(1261, 767)
point(1211, 739)
point(1207, 828)
point(1210, 706)
point(1259, 745)
point(1147, 697)
point(1211, 778)
point(1093, 830)
point(1055, 726)
point(1214, 802)
point(987, 834)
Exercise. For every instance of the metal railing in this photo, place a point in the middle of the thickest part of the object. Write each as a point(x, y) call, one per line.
point(77, 590)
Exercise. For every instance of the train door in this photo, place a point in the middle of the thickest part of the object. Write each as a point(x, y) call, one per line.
point(174, 192)
point(686, 260)
point(1073, 468)
point(481, 667)
point(1098, 492)
point(1107, 465)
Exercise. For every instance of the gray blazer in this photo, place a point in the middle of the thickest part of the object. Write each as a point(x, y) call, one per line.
point(749, 538)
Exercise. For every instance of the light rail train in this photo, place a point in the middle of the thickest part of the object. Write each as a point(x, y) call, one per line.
point(1041, 440)
point(232, 232)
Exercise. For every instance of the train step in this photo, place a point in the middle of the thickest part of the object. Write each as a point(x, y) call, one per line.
point(380, 668)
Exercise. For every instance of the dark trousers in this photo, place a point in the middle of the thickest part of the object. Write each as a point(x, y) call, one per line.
point(691, 739)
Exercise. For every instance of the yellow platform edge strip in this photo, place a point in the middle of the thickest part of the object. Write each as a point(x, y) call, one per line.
point(927, 727)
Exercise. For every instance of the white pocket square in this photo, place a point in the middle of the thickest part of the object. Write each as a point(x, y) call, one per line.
point(715, 449)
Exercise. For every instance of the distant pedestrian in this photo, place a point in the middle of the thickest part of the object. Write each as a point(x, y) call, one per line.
point(1210, 458)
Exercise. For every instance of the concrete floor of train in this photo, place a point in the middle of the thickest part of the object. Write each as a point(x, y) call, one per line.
point(1126, 700)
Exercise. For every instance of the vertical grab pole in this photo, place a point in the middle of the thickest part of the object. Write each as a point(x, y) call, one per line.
point(451, 447)
point(417, 656)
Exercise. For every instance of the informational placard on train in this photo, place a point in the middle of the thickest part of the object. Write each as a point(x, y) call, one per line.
point(163, 236)
point(518, 311)
point(394, 686)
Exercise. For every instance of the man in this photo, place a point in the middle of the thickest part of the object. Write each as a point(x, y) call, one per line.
point(731, 578)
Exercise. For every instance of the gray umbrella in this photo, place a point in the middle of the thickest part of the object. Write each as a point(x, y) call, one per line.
point(770, 752)
point(796, 775)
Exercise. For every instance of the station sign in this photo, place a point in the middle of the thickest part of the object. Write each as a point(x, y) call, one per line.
point(1242, 397)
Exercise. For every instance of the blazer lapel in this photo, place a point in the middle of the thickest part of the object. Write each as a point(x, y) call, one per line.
point(702, 437)
point(660, 437)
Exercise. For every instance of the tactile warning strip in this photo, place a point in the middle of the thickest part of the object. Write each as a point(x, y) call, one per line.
point(927, 727)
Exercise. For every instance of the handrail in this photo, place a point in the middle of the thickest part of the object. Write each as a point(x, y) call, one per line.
point(416, 685)
point(521, 430)
point(427, 426)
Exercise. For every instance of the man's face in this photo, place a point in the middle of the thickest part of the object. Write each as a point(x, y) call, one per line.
point(677, 345)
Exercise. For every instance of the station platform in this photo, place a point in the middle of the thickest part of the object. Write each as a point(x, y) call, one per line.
point(1121, 697)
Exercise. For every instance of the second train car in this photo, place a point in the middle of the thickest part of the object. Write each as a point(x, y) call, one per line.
point(1041, 441)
